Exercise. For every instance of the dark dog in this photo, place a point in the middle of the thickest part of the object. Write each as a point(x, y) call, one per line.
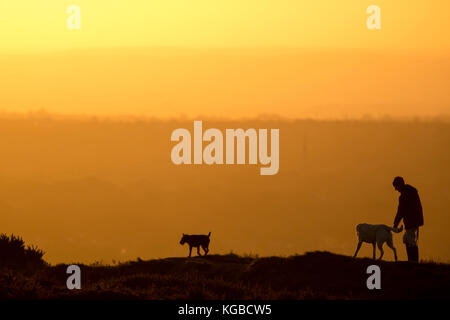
point(196, 241)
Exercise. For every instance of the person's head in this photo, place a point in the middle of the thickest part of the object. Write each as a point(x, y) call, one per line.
point(398, 183)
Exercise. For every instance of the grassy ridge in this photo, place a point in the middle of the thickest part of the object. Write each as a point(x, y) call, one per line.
point(314, 275)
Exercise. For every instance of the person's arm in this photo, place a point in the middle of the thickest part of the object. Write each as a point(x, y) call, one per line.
point(419, 203)
point(400, 211)
point(420, 210)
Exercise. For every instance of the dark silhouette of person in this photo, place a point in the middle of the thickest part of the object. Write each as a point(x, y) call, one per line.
point(410, 210)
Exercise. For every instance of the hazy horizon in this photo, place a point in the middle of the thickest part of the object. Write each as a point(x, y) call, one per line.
point(227, 82)
point(44, 114)
point(89, 190)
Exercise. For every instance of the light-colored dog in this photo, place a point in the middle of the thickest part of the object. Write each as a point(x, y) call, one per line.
point(376, 234)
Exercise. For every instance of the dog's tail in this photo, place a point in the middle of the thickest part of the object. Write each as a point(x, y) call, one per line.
point(397, 230)
point(209, 234)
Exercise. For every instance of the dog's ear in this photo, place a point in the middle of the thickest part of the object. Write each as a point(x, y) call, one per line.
point(183, 234)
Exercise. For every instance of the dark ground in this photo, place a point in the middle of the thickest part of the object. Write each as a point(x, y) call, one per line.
point(314, 275)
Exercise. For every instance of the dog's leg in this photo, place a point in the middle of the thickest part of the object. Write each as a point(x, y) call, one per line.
point(206, 250)
point(357, 248)
point(198, 251)
point(190, 251)
point(374, 250)
point(380, 246)
point(391, 245)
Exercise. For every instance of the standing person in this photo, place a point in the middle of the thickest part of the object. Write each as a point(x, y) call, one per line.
point(410, 210)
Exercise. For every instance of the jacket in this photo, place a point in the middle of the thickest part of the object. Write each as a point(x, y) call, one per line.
point(409, 208)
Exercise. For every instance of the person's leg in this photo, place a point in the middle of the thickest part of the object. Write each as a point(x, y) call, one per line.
point(406, 244)
point(415, 254)
point(412, 250)
point(415, 248)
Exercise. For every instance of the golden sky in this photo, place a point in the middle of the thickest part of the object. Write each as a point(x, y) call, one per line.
point(406, 24)
point(226, 58)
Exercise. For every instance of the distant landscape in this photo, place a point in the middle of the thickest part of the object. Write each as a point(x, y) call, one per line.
point(96, 190)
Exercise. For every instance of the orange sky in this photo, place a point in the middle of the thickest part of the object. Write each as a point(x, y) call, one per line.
point(168, 58)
